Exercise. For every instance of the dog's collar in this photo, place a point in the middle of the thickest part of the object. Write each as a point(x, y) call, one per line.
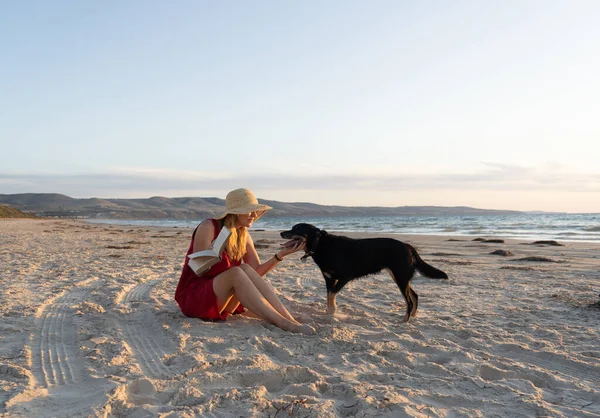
point(311, 252)
point(306, 255)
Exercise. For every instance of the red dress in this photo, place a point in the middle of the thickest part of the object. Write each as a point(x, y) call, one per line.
point(195, 295)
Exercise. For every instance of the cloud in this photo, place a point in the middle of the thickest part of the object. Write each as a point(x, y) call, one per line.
point(144, 183)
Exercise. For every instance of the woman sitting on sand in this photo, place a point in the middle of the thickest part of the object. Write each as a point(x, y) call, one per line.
point(237, 279)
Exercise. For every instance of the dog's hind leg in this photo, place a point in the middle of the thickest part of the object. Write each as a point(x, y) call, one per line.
point(409, 301)
point(415, 299)
point(404, 286)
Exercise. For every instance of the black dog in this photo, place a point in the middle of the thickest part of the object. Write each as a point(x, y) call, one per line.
point(342, 259)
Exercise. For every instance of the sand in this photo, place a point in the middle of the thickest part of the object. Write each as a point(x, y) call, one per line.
point(89, 327)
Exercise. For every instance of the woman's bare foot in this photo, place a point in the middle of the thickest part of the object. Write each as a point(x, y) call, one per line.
point(302, 318)
point(303, 329)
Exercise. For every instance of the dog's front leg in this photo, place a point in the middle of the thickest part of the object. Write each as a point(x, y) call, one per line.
point(331, 303)
point(337, 285)
point(330, 283)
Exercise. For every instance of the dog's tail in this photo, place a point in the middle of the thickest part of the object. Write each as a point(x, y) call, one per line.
point(424, 268)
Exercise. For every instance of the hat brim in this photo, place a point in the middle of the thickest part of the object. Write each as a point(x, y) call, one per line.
point(244, 210)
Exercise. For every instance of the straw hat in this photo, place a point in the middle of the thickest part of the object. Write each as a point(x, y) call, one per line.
point(243, 201)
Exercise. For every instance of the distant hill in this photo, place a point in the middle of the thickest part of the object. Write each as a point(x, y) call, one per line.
point(8, 212)
point(58, 205)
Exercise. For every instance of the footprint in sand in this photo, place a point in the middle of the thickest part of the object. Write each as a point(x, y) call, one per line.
point(274, 380)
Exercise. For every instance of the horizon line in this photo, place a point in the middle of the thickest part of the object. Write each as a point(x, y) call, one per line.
point(311, 203)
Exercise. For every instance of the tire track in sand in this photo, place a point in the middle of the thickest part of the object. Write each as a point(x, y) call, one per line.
point(584, 372)
point(54, 355)
point(57, 366)
point(140, 292)
point(144, 334)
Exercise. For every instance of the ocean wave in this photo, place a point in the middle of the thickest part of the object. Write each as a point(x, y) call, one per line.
point(592, 229)
point(565, 227)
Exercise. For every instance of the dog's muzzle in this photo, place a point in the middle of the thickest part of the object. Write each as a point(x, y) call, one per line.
point(292, 243)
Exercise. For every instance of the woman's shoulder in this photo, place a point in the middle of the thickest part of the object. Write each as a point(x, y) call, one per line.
point(208, 221)
point(206, 226)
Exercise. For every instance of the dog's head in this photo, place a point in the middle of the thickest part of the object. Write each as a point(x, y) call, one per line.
point(307, 233)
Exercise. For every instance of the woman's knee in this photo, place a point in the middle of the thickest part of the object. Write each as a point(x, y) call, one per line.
point(238, 275)
point(246, 268)
point(225, 282)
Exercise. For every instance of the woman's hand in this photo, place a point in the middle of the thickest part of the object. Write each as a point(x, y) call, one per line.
point(299, 246)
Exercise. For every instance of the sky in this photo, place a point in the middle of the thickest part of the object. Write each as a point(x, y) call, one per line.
point(488, 104)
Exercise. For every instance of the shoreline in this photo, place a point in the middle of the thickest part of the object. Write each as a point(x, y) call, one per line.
point(523, 237)
point(421, 226)
point(90, 328)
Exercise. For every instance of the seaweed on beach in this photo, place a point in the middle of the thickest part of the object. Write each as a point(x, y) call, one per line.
point(517, 268)
point(577, 301)
point(264, 243)
point(594, 305)
point(504, 253)
point(454, 262)
point(490, 241)
point(262, 246)
point(540, 259)
point(548, 242)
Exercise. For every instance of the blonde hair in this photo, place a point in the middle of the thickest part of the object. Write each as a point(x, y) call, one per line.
point(236, 245)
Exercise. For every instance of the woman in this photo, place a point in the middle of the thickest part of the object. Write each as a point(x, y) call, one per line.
point(237, 279)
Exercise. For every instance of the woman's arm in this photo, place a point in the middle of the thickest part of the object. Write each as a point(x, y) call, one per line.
point(251, 258)
point(204, 235)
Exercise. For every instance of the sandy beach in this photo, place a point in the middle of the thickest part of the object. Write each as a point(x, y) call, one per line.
point(90, 328)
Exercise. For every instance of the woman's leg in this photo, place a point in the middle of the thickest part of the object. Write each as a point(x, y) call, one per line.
point(235, 282)
point(231, 305)
point(268, 292)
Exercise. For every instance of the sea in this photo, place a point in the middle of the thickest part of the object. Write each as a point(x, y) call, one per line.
point(527, 226)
